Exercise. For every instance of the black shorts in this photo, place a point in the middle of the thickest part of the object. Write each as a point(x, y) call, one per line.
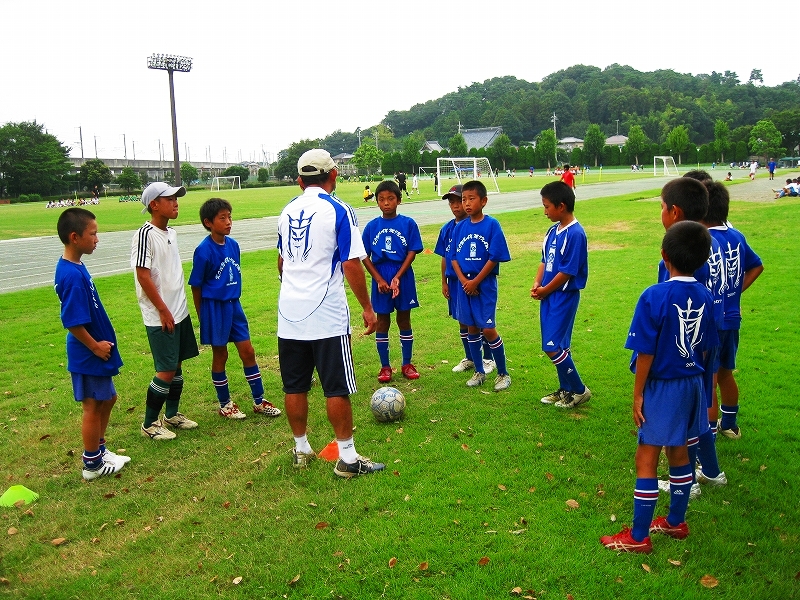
point(171, 349)
point(332, 357)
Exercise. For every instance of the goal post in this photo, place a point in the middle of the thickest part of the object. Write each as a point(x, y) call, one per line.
point(452, 171)
point(668, 166)
point(230, 182)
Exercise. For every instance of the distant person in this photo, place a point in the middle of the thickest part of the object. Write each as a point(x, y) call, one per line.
point(400, 178)
point(216, 282)
point(771, 166)
point(436, 182)
point(368, 195)
point(415, 184)
point(729, 177)
point(568, 177)
point(753, 169)
point(158, 274)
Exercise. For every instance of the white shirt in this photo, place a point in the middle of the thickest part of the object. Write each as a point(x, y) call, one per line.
point(155, 249)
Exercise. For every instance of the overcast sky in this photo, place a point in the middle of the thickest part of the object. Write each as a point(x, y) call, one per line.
point(267, 73)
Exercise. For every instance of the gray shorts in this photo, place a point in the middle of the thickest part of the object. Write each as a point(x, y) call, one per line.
point(171, 349)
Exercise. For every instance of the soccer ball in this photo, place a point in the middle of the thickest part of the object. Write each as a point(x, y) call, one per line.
point(388, 404)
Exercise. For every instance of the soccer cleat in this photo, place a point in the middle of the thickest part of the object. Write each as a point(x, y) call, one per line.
point(476, 379)
point(301, 460)
point(385, 375)
point(661, 525)
point(502, 382)
point(717, 481)
point(573, 399)
point(624, 542)
point(157, 431)
point(179, 421)
point(733, 433)
point(106, 468)
point(409, 371)
point(267, 409)
point(362, 466)
point(120, 459)
point(465, 365)
point(231, 411)
point(553, 397)
point(663, 485)
point(694, 491)
point(488, 365)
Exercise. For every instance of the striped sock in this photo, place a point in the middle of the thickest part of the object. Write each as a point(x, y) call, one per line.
point(220, 381)
point(407, 344)
point(680, 483)
point(707, 454)
point(102, 445)
point(645, 496)
point(728, 416)
point(465, 341)
point(691, 446)
point(174, 395)
point(475, 351)
point(92, 459)
point(156, 396)
point(253, 376)
point(382, 343)
point(487, 348)
point(712, 425)
point(499, 355)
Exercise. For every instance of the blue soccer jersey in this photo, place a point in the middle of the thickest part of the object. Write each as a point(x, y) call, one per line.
point(477, 243)
point(737, 258)
point(216, 270)
point(673, 321)
point(390, 240)
point(80, 305)
point(444, 246)
point(565, 250)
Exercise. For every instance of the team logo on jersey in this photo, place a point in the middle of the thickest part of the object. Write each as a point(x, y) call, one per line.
point(690, 320)
point(299, 242)
point(551, 257)
point(473, 249)
point(733, 266)
point(387, 242)
point(715, 266)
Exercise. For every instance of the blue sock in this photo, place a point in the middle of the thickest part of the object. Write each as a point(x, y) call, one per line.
point(712, 425)
point(92, 460)
point(220, 381)
point(691, 446)
point(253, 376)
point(680, 482)
point(488, 354)
point(645, 497)
point(707, 454)
point(499, 355)
point(728, 416)
point(567, 373)
point(475, 351)
point(463, 332)
point(407, 344)
point(382, 343)
point(174, 395)
point(102, 445)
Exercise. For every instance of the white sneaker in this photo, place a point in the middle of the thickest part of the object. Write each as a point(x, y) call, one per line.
point(488, 365)
point(553, 397)
point(476, 379)
point(157, 431)
point(465, 365)
point(694, 492)
point(231, 411)
point(179, 421)
point(106, 468)
point(717, 481)
point(663, 485)
point(266, 409)
point(502, 382)
point(573, 399)
point(120, 459)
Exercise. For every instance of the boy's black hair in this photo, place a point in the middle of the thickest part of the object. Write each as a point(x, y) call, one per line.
point(687, 245)
point(475, 186)
point(73, 220)
point(718, 204)
point(689, 195)
point(558, 193)
point(387, 185)
point(210, 209)
point(309, 180)
point(699, 174)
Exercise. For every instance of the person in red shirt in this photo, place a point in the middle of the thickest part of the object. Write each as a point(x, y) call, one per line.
point(567, 177)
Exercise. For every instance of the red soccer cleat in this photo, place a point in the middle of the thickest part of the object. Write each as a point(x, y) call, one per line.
point(409, 371)
point(661, 525)
point(624, 542)
point(385, 376)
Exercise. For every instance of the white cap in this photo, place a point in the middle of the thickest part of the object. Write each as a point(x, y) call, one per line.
point(158, 189)
point(315, 162)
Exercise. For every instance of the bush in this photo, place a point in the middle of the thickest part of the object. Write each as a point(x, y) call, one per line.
point(34, 198)
point(23, 198)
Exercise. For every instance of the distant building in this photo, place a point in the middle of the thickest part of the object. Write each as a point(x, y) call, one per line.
point(483, 137)
point(431, 146)
point(344, 163)
point(569, 143)
point(617, 140)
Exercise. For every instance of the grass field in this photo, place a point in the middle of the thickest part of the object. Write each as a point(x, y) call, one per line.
point(471, 475)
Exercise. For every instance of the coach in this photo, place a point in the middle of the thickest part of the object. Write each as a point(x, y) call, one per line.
point(319, 245)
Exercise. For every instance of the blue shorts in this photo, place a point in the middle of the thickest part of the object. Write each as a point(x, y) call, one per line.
point(711, 367)
point(171, 349)
point(222, 321)
point(92, 386)
point(453, 285)
point(383, 304)
point(478, 311)
point(729, 346)
point(673, 411)
point(557, 318)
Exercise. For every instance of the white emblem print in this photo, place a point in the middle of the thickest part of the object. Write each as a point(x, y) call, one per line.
point(298, 236)
point(733, 266)
point(690, 320)
point(387, 242)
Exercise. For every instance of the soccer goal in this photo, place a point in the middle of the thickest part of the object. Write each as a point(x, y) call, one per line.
point(231, 182)
point(452, 171)
point(669, 168)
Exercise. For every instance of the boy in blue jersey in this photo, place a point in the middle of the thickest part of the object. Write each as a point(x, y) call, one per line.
point(216, 282)
point(740, 267)
point(450, 281)
point(392, 242)
point(479, 246)
point(562, 274)
point(92, 355)
point(672, 328)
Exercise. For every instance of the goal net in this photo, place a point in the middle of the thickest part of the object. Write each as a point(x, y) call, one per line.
point(666, 166)
point(453, 171)
point(231, 182)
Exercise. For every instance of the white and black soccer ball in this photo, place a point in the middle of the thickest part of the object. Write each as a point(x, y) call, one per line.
point(388, 404)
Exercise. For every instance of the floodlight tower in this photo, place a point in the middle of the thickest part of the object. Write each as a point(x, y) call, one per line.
point(171, 63)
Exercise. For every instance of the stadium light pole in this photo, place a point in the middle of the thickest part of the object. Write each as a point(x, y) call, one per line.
point(171, 63)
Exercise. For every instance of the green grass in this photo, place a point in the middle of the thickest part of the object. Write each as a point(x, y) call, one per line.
point(470, 473)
